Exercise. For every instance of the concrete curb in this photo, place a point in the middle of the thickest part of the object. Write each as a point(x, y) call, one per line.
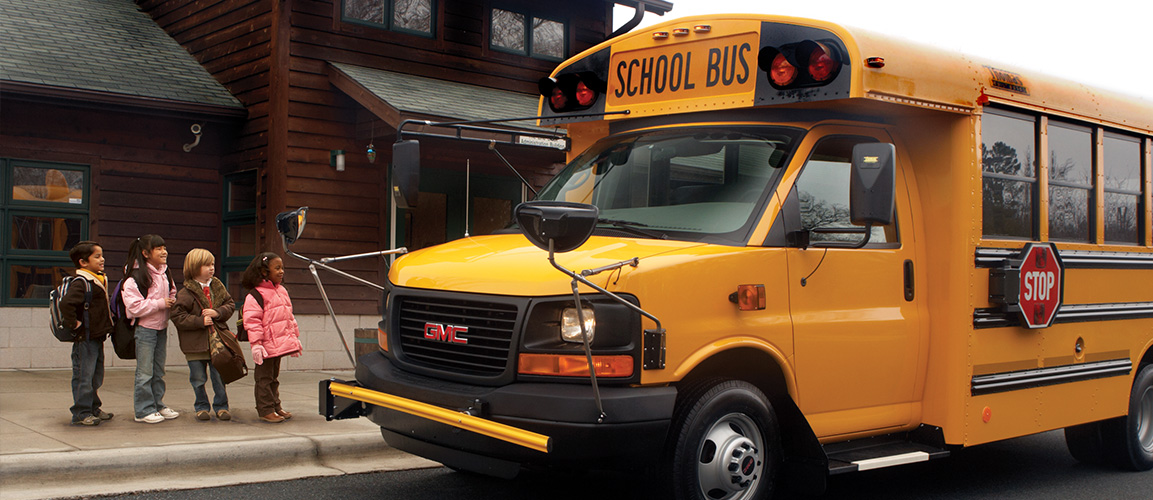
point(89, 472)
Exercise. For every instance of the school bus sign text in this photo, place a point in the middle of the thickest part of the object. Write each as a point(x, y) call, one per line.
point(700, 69)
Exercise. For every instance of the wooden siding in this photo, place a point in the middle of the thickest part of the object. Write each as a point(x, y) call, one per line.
point(273, 56)
point(142, 180)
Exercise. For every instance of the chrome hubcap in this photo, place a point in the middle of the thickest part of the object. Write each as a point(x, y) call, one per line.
point(1145, 421)
point(731, 458)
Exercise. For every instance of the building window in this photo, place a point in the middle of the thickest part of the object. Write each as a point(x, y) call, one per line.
point(1070, 182)
point(410, 16)
point(43, 214)
point(1123, 200)
point(239, 241)
point(1009, 174)
point(523, 33)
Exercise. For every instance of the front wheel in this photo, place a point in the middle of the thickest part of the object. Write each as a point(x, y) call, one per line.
point(724, 444)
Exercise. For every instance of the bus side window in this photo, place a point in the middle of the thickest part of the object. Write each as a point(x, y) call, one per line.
point(822, 192)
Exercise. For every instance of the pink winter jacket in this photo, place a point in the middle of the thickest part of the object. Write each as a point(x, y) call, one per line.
point(151, 310)
point(273, 327)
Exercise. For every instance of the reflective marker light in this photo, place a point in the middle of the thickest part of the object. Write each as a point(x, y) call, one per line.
point(570, 330)
point(751, 297)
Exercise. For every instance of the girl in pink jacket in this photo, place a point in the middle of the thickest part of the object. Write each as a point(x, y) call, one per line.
point(272, 331)
point(148, 293)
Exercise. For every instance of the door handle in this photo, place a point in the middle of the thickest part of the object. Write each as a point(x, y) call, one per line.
point(909, 281)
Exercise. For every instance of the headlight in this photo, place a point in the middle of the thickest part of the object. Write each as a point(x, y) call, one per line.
point(570, 330)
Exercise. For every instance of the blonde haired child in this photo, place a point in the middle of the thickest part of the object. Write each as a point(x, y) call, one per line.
point(203, 306)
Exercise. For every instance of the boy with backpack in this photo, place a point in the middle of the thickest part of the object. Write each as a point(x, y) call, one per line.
point(84, 309)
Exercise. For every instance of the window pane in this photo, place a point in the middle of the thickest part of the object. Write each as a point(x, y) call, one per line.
point(241, 241)
point(1121, 217)
point(1068, 213)
point(508, 30)
point(365, 10)
point(823, 190)
point(415, 15)
point(48, 184)
point(31, 232)
point(1122, 189)
point(1007, 153)
point(34, 281)
point(547, 38)
point(1070, 180)
point(242, 193)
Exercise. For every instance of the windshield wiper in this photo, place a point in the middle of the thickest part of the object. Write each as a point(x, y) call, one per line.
point(633, 227)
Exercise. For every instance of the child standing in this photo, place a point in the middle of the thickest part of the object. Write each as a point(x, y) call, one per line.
point(272, 331)
point(202, 308)
point(88, 349)
point(148, 294)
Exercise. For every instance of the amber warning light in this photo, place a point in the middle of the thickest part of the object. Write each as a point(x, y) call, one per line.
point(749, 297)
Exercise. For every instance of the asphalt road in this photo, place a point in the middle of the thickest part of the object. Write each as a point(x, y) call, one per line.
point(1034, 467)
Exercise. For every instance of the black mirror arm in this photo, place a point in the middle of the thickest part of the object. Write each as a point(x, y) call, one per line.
point(492, 147)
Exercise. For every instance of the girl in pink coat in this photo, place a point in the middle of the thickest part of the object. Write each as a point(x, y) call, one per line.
point(272, 331)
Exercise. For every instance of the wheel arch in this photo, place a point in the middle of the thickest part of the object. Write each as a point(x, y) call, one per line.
point(805, 467)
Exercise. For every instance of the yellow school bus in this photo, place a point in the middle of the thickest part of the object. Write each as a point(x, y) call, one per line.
point(787, 249)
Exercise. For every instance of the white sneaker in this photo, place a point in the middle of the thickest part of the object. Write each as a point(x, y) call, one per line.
point(169, 413)
point(151, 418)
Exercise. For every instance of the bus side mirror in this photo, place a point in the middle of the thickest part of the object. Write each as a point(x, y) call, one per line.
point(872, 184)
point(405, 172)
point(290, 224)
point(565, 225)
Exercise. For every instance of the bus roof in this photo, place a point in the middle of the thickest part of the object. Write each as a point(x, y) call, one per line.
point(633, 66)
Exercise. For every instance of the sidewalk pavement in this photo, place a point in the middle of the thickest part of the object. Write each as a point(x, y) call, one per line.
point(43, 456)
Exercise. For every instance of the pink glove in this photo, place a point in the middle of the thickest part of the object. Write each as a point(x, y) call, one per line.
point(258, 353)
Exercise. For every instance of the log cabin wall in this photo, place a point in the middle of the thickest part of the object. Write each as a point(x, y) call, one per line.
point(142, 181)
point(274, 57)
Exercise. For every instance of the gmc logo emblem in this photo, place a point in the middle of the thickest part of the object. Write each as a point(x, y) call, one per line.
point(445, 333)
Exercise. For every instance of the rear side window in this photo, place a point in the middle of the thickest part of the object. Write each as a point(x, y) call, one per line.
point(1009, 172)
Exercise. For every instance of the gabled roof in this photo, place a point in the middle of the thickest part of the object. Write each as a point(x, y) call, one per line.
point(99, 47)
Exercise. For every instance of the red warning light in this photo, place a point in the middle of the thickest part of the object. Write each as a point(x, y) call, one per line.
point(782, 71)
point(584, 95)
point(822, 66)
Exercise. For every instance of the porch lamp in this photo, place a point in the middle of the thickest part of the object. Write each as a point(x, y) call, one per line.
point(336, 159)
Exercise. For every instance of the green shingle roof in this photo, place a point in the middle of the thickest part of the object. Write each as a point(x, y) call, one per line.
point(103, 46)
point(429, 96)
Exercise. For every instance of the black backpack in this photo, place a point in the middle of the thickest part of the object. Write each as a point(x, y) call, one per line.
point(241, 333)
point(62, 332)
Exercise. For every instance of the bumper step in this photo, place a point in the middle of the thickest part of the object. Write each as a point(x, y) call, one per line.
point(880, 452)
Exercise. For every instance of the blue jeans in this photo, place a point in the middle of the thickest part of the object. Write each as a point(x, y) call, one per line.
point(199, 371)
point(87, 377)
point(151, 352)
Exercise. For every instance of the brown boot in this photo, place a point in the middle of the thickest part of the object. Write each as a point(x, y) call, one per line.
point(272, 418)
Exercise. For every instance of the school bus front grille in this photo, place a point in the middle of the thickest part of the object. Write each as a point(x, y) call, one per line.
point(480, 341)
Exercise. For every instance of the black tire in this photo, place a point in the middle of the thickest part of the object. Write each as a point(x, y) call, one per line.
point(724, 443)
point(1085, 443)
point(1129, 439)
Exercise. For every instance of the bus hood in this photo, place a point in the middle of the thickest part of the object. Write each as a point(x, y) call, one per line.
point(508, 264)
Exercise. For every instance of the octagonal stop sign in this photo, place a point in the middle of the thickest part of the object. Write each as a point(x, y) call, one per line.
point(1042, 284)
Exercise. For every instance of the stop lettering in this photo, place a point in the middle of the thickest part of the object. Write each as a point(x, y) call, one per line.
point(1042, 278)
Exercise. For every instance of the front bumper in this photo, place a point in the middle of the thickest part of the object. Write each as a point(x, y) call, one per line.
point(634, 430)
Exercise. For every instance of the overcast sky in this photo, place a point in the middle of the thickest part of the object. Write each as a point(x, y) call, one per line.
point(1101, 43)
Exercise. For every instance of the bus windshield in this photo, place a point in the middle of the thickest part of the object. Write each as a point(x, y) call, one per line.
point(694, 184)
